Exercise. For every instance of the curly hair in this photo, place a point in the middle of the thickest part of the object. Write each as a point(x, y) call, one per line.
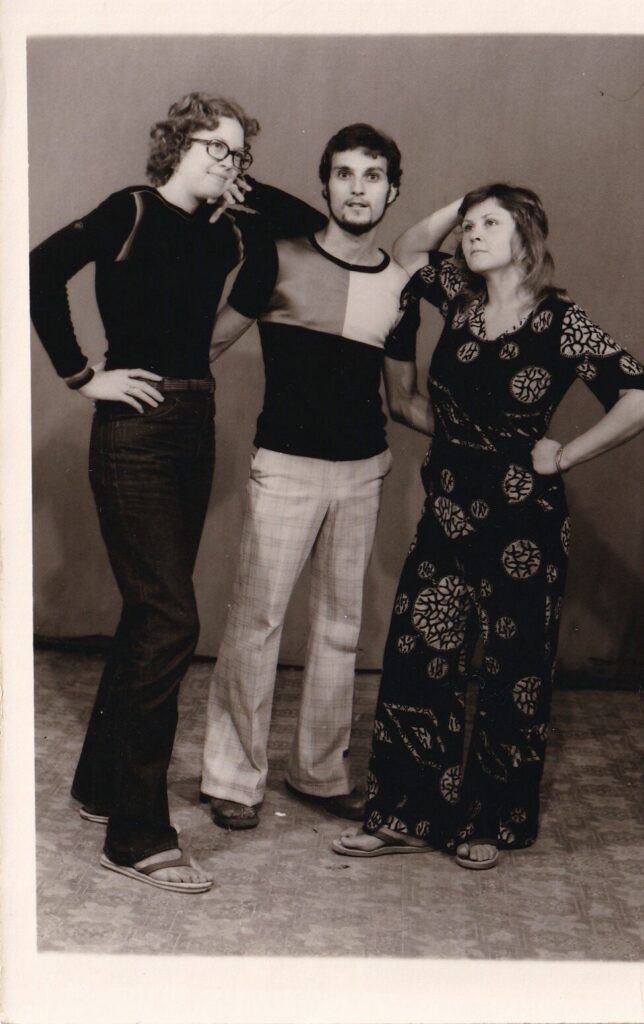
point(531, 222)
point(362, 136)
point(171, 138)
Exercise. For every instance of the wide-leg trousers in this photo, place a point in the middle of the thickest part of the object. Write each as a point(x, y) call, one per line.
point(489, 560)
point(151, 474)
point(296, 507)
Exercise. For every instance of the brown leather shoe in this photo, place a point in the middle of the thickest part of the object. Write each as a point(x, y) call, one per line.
point(230, 814)
point(345, 805)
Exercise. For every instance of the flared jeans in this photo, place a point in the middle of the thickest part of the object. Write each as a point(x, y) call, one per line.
point(151, 475)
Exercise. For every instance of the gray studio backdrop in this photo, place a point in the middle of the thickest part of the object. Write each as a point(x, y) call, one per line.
point(559, 114)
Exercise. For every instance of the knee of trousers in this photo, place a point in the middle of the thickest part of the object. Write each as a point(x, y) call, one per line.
point(187, 628)
point(172, 631)
point(339, 638)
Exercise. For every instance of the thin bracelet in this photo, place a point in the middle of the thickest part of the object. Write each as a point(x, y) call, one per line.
point(560, 452)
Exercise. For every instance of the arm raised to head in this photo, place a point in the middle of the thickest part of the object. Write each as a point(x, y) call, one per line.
point(411, 248)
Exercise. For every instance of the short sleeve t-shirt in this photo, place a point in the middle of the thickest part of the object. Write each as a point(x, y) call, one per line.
point(325, 326)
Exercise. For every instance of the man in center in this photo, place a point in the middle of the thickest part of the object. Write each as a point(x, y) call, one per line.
point(328, 308)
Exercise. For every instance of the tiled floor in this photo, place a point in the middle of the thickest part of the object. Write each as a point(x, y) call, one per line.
point(281, 891)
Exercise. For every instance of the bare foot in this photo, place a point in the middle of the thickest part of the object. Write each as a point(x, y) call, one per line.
point(477, 853)
point(185, 873)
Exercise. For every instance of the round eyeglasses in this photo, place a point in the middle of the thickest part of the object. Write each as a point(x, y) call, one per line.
point(218, 150)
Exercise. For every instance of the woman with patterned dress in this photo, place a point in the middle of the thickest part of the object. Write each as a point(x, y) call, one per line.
point(489, 558)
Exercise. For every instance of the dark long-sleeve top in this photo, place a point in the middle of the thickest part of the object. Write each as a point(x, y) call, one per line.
point(160, 272)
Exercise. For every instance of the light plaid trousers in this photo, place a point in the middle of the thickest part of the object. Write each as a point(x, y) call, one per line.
point(296, 507)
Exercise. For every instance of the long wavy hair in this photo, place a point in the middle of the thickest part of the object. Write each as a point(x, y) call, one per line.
point(170, 139)
point(531, 222)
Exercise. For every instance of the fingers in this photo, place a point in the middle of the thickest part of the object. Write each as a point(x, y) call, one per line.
point(134, 389)
point(142, 387)
point(237, 192)
point(129, 386)
point(543, 456)
point(137, 386)
point(225, 202)
point(147, 374)
point(146, 394)
point(234, 193)
point(129, 400)
point(244, 185)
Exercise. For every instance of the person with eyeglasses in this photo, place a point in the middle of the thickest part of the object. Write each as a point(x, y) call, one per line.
point(219, 151)
point(162, 254)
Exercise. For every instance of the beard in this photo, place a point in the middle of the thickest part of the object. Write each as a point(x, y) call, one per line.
point(352, 228)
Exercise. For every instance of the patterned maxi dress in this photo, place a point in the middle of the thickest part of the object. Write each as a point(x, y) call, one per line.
point(489, 559)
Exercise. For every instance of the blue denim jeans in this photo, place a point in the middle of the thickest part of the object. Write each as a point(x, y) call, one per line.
point(151, 474)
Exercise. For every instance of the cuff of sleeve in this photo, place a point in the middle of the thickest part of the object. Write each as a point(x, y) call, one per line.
point(79, 380)
point(401, 357)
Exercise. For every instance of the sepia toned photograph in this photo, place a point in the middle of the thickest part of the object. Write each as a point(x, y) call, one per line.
point(337, 400)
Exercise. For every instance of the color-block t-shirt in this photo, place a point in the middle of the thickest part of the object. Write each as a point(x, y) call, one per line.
point(325, 326)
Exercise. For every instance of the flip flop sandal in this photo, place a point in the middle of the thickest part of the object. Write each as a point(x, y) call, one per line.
point(478, 865)
point(98, 819)
point(389, 845)
point(102, 819)
point(145, 874)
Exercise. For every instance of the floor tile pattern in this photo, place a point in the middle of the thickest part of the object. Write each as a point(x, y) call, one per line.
point(576, 894)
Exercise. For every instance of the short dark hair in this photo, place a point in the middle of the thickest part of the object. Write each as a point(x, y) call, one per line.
point(171, 138)
point(531, 222)
point(362, 136)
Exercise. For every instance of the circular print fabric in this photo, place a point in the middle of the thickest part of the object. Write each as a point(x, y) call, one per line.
point(530, 383)
point(518, 483)
point(525, 694)
point(505, 627)
point(468, 352)
point(440, 613)
point(450, 784)
point(541, 322)
point(452, 518)
point(509, 350)
point(521, 559)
